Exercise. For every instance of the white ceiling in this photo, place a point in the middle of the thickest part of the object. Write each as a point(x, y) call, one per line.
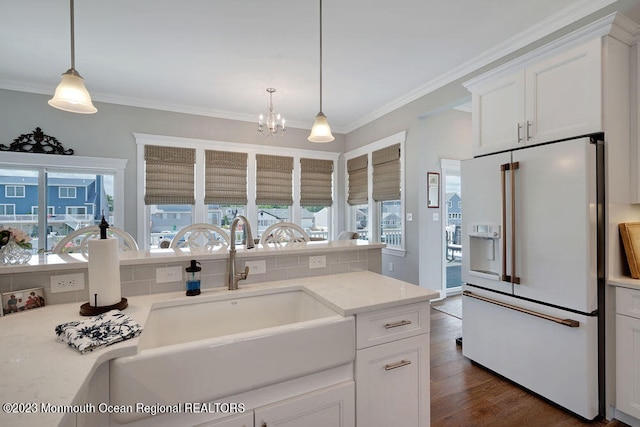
point(217, 57)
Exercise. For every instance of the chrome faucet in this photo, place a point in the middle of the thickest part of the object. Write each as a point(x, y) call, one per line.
point(234, 277)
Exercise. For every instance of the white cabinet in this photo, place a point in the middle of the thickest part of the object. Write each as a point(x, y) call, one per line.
point(498, 114)
point(392, 367)
point(242, 420)
point(329, 407)
point(555, 98)
point(628, 351)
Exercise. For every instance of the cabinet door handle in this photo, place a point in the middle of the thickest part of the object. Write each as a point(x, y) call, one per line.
point(519, 126)
point(528, 130)
point(396, 324)
point(397, 365)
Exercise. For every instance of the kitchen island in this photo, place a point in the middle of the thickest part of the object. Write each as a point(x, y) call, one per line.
point(43, 378)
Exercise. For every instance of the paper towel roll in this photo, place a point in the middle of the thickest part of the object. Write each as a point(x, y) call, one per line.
point(104, 272)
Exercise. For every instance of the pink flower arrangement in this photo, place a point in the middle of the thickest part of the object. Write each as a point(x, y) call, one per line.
point(17, 235)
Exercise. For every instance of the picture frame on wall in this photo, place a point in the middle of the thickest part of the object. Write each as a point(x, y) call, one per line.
point(433, 190)
point(22, 300)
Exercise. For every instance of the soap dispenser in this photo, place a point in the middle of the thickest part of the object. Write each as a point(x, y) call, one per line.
point(193, 278)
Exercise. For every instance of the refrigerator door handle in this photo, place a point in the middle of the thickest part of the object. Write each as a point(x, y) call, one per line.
point(565, 322)
point(515, 278)
point(503, 194)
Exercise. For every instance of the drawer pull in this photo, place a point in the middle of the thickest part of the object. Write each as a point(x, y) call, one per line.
point(397, 365)
point(396, 324)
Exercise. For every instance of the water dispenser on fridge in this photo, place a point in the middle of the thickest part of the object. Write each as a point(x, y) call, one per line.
point(484, 250)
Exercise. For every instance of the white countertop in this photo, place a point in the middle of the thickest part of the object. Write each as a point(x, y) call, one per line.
point(37, 369)
point(625, 282)
point(50, 262)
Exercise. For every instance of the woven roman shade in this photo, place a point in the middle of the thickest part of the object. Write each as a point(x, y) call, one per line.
point(169, 175)
point(225, 178)
point(386, 173)
point(274, 180)
point(315, 182)
point(358, 180)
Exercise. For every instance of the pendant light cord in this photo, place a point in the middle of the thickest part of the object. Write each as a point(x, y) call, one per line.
point(320, 55)
point(73, 46)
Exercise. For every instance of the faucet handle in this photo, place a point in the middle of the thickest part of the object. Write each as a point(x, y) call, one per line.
point(243, 275)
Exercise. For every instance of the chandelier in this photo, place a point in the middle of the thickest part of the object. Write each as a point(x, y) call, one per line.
point(273, 124)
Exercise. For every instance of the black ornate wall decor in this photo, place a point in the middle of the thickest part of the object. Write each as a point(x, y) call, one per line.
point(36, 142)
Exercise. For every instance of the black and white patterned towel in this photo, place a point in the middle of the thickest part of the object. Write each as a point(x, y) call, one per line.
point(98, 331)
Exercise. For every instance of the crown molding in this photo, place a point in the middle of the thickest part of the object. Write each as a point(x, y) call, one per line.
point(579, 10)
point(530, 35)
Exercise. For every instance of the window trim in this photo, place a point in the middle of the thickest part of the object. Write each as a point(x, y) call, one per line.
point(15, 187)
point(373, 206)
point(200, 145)
point(78, 164)
point(66, 187)
point(4, 209)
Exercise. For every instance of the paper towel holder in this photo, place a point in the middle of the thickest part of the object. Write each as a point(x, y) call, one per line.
point(87, 309)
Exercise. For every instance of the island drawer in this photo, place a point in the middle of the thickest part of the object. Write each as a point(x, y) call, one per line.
point(390, 324)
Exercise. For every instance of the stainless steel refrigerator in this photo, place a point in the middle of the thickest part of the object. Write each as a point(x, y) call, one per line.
point(532, 268)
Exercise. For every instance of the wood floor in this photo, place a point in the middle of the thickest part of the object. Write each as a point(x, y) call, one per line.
point(464, 394)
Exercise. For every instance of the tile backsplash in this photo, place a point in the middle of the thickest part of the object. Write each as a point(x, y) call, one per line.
point(141, 279)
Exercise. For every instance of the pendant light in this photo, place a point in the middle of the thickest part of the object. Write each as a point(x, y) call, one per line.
point(71, 94)
point(321, 132)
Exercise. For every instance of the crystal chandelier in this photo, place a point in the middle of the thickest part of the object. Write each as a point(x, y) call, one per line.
point(273, 124)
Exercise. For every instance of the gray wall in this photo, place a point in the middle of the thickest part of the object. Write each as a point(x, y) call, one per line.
point(434, 132)
point(109, 133)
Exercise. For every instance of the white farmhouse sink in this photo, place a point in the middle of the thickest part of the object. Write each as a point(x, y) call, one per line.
point(207, 348)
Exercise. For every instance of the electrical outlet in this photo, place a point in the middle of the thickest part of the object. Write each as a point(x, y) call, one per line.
point(256, 267)
point(67, 282)
point(319, 261)
point(390, 267)
point(168, 274)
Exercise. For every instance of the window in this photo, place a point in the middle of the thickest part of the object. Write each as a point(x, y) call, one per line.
point(67, 192)
point(50, 210)
point(80, 211)
point(14, 191)
point(274, 190)
point(316, 196)
point(225, 187)
point(233, 179)
point(98, 189)
point(8, 210)
point(386, 192)
point(375, 191)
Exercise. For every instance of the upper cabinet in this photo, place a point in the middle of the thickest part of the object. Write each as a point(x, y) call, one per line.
point(554, 98)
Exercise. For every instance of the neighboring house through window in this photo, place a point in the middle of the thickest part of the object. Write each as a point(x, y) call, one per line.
point(31, 180)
